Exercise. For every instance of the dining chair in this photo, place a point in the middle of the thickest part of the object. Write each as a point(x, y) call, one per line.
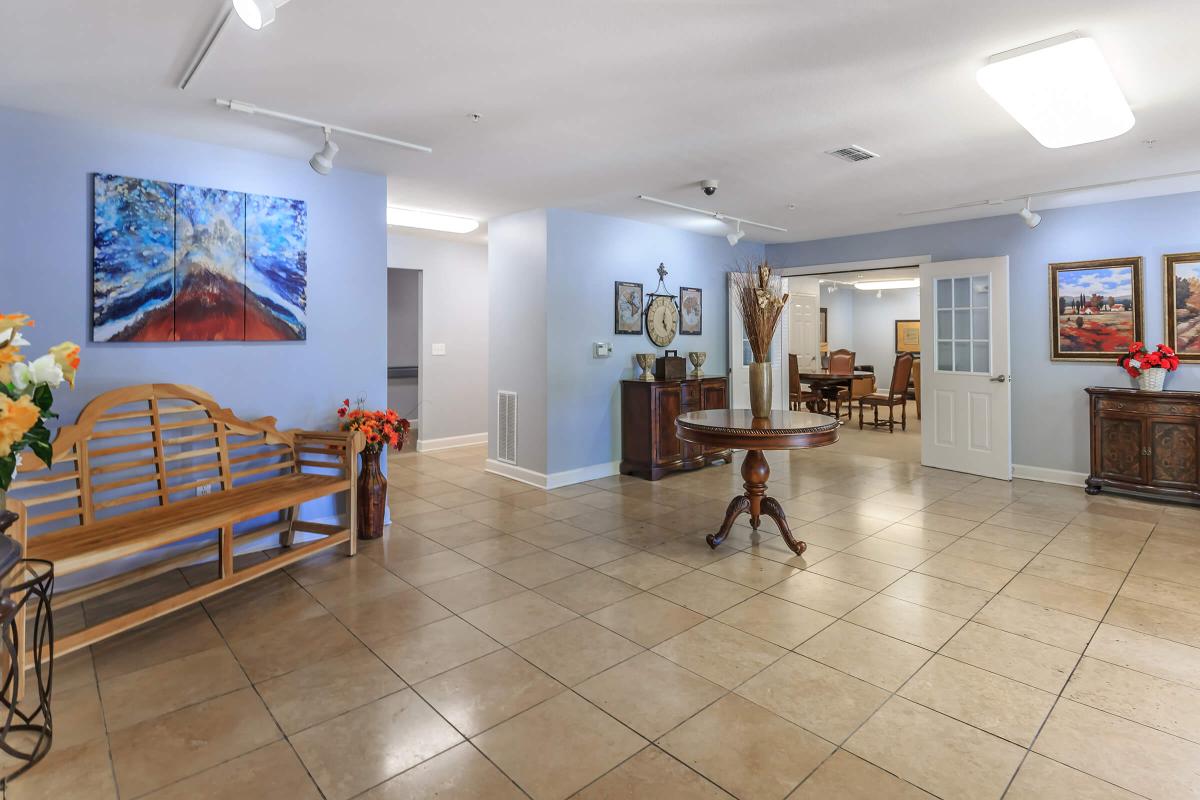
point(797, 395)
point(897, 396)
point(841, 362)
point(916, 381)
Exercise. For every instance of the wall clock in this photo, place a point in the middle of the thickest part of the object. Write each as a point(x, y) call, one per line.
point(662, 319)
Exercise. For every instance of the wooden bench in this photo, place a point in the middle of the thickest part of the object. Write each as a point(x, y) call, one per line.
point(131, 476)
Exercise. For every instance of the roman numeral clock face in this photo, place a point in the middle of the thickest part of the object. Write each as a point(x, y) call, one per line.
point(662, 320)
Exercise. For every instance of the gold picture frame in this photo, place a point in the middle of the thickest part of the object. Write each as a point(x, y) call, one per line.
point(908, 336)
point(1096, 308)
point(1181, 294)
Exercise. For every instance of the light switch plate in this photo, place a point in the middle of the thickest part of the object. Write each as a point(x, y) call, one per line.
point(439, 349)
point(601, 349)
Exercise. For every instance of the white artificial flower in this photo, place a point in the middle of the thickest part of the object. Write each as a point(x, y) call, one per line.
point(43, 370)
point(20, 376)
point(13, 337)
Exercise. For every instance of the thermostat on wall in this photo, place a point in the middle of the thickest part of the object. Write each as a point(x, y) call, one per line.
point(601, 349)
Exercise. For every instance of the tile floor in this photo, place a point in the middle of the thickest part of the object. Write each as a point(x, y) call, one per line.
point(943, 636)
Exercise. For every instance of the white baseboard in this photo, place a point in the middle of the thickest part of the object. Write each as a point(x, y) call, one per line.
point(447, 442)
point(554, 480)
point(1046, 475)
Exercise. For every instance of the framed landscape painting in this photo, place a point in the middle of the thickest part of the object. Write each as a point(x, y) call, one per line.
point(691, 311)
point(1181, 272)
point(1095, 309)
point(908, 336)
point(627, 308)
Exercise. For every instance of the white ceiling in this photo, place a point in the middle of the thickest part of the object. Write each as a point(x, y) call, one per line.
point(586, 104)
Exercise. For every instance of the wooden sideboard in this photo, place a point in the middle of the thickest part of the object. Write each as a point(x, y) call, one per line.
point(1145, 443)
point(649, 447)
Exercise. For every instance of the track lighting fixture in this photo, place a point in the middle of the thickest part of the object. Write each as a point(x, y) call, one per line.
point(322, 160)
point(257, 14)
point(1030, 218)
point(735, 236)
point(879, 294)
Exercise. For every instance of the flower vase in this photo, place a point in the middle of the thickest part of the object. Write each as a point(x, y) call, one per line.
point(372, 495)
point(760, 388)
point(1151, 379)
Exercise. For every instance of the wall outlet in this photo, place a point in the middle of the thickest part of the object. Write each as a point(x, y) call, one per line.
point(601, 349)
point(203, 490)
point(439, 349)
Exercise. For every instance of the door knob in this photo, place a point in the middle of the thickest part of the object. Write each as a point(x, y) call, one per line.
point(999, 379)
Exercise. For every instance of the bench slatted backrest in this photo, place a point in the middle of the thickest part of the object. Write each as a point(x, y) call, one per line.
point(146, 445)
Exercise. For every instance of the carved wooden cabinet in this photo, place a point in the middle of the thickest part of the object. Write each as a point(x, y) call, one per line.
point(649, 447)
point(1147, 443)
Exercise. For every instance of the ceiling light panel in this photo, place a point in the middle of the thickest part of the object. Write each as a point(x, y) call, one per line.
point(1060, 90)
point(430, 220)
point(900, 283)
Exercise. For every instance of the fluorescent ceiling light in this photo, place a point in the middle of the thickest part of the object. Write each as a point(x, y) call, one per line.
point(900, 283)
point(430, 220)
point(1060, 90)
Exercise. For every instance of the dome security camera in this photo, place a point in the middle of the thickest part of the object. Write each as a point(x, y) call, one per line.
point(710, 186)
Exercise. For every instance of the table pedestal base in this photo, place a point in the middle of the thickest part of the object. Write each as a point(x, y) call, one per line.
point(755, 472)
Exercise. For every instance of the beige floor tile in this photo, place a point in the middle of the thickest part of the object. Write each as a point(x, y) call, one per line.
point(847, 520)
point(977, 574)
point(512, 619)
point(1076, 600)
point(1075, 573)
point(159, 751)
point(941, 523)
point(998, 705)
point(432, 649)
point(471, 590)
point(600, 522)
point(487, 691)
point(576, 650)
point(378, 618)
point(776, 549)
point(752, 571)
point(552, 534)
point(432, 520)
point(1156, 620)
point(702, 592)
point(941, 755)
point(911, 535)
point(889, 552)
point(858, 571)
point(652, 774)
point(818, 698)
point(1145, 653)
point(432, 568)
point(137, 696)
point(1108, 554)
point(1113, 520)
point(644, 570)
point(1007, 537)
point(720, 653)
point(364, 747)
point(778, 621)
point(1026, 523)
point(465, 533)
point(183, 633)
point(460, 773)
point(265, 654)
point(593, 551)
point(822, 535)
point(820, 593)
point(559, 747)
point(363, 582)
point(269, 773)
point(1132, 756)
point(1038, 622)
point(938, 594)
point(538, 569)
point(1170, 707)
point(845, 776)
point(80, 772)
point(1040, 778)
point(490, 552)
point(745, 749)
point(972, 512)
point(1040, 665)
point(690, 550)
point(78, 714)
point(286, 606)
point(650, 693)
point(587, 591)
point(906, 621)
point(646, 619)
point(319, 691)
point(1138, 587)
point(865, 654)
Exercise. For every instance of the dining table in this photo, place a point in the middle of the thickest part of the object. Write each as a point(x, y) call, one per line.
point(739, 429)
point(826, 384)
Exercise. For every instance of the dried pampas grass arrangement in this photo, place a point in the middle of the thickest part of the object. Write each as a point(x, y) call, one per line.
point(761, 301)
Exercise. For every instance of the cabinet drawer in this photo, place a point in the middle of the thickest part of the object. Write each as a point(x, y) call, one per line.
point(1155, 406)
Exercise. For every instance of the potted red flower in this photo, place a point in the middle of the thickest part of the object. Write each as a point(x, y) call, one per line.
point(1150, 367)
point(380, 429)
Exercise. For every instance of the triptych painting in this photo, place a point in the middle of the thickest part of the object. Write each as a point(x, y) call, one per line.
point(173, 262)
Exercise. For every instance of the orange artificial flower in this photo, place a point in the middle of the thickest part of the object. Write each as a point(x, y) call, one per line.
point(66, 355)
point(16, 417)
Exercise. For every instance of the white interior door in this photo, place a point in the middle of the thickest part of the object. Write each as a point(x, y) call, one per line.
point(740, 357)
point(966, 397)
point(805, 309)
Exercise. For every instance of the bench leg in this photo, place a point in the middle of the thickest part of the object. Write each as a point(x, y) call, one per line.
point(226, 551)
point(288, 537)
point(352, 502)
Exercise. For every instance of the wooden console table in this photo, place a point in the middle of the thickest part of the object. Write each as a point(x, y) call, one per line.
point(737, 428)
point(649, 447)
point(1145, 443)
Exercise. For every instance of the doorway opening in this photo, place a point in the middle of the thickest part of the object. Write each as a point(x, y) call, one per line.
point(404, 346)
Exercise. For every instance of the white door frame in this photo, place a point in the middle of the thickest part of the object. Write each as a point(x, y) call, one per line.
point(850, 266)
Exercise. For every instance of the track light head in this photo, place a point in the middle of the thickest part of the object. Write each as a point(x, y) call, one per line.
point(257, 14)
point(322, 160)
point(1031, 219)
point(733, 237)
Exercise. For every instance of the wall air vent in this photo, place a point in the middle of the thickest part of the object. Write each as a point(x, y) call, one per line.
point(852, 153)
point(506, 427)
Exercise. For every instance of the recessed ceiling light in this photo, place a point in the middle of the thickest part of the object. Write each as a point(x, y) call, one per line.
point(1061, 90)
point(875, 286)
point(430, 220)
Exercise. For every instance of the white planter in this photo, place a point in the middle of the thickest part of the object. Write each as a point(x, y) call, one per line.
point(1151, 380)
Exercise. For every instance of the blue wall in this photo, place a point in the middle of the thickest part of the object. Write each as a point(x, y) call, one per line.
point(586, 253)
point(1050, 427)
point(45, 270)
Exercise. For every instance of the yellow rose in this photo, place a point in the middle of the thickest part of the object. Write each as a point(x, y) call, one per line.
point(16, 417)
point(11, 321)
point(66, 355)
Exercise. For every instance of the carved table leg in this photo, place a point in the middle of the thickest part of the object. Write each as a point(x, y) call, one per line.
point(737, 507)
point(772, 508)
point(755, 472)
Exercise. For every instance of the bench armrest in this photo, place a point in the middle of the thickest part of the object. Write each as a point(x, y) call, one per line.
point(344, 446)
point(351, 439)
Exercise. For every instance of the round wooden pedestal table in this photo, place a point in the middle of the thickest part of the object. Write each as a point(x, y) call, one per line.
point(738, 428)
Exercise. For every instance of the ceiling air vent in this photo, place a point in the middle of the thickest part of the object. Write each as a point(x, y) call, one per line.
point(852, 153)
point(506, 427)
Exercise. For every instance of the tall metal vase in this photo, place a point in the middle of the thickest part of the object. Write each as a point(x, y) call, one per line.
point(372, 496)
point(760, 388)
